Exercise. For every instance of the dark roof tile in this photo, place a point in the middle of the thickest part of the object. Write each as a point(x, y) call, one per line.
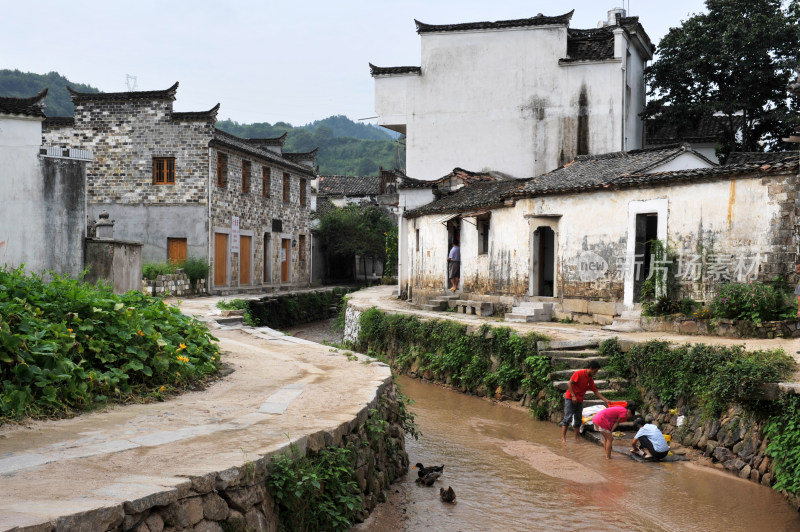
point(708, 129)
point(341, 185)
point(59, 121)
point(168, 94)
point(32, 106)
point(754, 157)
point(478, 195)
point(272, 141)
point(538, 20)
point(383, 71)
point(210, 115)
point(590, 45)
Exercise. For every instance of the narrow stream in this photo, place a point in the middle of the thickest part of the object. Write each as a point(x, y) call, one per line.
point(511, 472)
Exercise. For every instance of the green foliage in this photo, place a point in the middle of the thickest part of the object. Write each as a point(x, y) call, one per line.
point(345, 147)
point(151, 270)
point(783, 434)
point(66, 345)
point(711, 377)
point(317, 492)
point(294, 309)
point(233, 304)
point(196, 268)
point(391, 252)
point(749, 301)
point(352, 231)
point(26, 84)
point(340, 320)
point(658, 291)
point(407, 417)
point(736, 60)
point(444, 348)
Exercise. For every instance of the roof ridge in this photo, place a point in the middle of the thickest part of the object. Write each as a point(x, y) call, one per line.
point(30, 106)
point(166, 94)
point(538, 20)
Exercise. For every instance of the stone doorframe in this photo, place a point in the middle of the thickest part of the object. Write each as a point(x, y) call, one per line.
point(534, 222)
point(659, 207)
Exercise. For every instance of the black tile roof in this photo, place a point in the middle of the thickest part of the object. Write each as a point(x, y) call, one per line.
point(591, 171)
point(590, 45)
point(410, 182)
point(59, 121)
point(272, 141)
point(226, 140)
point(324, 206)
point(382, 71)
point(709, 129)
point(297, 157)
point(168, 94)
point(538, 20)
point(744, 157)
point(342, 185)
point(32, 106)
point(210, 115)
point(482, 195)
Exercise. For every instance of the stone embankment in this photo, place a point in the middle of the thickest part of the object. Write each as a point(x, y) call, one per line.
point(200, 461)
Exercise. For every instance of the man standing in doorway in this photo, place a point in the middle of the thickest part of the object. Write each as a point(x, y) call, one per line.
point(454, 265)
point(581, 381)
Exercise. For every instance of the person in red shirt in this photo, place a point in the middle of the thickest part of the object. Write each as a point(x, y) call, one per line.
point(581, 381)
point(606, 421)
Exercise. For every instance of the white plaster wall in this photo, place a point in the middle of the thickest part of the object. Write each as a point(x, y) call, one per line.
point(499, 100)
point(684, 161)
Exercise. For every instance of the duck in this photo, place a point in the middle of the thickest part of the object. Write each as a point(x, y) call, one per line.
point(447, 495)
point(428, 479)
point(422, 470)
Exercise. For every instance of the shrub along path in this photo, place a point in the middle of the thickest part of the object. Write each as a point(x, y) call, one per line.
point(280, 386)
point(381, 297)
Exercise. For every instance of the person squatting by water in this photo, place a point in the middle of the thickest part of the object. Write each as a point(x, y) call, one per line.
point(454, 265)
point(607, 420)
point(581, 381)
point(649, 441)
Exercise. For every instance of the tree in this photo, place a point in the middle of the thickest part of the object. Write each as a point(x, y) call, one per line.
point(350, 232)
point(735, 61)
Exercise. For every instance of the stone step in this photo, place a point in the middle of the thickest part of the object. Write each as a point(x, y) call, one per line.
point(229, 320)
point(479, 308)
point(537, 305)
point(567, 373)
point(581, 363)
point(589, 353)
point(567, 345)
point(518, 316)
point(436, 307)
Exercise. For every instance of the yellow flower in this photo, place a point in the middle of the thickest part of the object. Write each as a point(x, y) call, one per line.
point(69, 330)
point(140, 333)
point(162, 388)
point(182, 346)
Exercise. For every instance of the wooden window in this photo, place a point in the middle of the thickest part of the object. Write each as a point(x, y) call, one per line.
point(245, 177)
point(266, 177)
point(222, 169)
point(483, 235)
point(302, 192)
point(301, 252)
point(287, 180)
point(164, 170)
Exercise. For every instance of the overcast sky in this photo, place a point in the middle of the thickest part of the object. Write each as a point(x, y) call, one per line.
point(265, 61)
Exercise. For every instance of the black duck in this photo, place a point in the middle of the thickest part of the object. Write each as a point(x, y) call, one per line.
point(447, 495)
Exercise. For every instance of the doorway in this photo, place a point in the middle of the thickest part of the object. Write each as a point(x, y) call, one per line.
point(245, 247)
point(286, 249)
point(543, 261)
point(453, 236)
point(646, 232)
point(267, 274)
point(220, 259)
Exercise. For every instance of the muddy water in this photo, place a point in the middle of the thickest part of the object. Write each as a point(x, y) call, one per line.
point(511, 472)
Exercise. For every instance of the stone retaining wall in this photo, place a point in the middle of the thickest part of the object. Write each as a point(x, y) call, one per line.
point(237, 499)
point(721, 327)
point(174, 284)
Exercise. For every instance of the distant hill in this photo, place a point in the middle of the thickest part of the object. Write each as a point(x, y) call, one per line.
point(25, 84)
point(345, 147)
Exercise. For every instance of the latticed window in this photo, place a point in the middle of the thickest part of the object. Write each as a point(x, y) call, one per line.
point(266, 177)
point(222, 169)
point(302, 192)
point(287, 180)
point(245, 177)
point(164, 170)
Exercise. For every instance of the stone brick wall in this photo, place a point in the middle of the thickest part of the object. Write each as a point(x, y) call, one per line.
point(125, 136)
point(256, 213)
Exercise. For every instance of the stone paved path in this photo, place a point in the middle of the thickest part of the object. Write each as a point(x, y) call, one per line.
point(281, 388)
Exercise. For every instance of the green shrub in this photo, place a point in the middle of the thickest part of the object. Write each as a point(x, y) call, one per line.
point(783, 434)
point(151, 270)
point(289, 310)
point(315, 493)
point(704, 375)
point(196, 268)
point(233, 304)
point(748, 301)
point(66, 345)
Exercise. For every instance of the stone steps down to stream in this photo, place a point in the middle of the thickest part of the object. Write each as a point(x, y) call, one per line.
point(440, 303)
point(530, 311)
point(478, 308)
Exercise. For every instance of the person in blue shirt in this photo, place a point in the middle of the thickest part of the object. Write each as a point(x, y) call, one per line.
point(649, 441)
point(454, 265)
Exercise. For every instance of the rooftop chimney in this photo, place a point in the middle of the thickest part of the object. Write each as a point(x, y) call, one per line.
point(613, 13)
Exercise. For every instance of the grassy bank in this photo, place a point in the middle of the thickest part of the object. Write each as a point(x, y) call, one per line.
point(66, 346)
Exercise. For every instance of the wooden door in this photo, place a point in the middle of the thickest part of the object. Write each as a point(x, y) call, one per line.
point(176, 250)
point(244, 259)
point(267, 259)
point(220, 259)
point(286, 249)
